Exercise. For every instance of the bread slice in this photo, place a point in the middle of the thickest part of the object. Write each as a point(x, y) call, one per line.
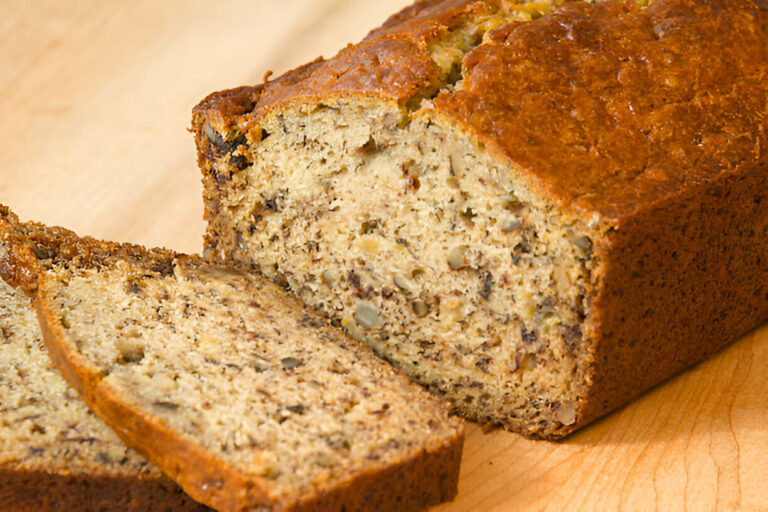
point(243, 397)
point(55, 454)
point(537, 220)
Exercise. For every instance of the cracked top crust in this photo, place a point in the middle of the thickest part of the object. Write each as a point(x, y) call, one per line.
point(607, 108)
point(392, 62)
point(32, 248)
point(613, 107)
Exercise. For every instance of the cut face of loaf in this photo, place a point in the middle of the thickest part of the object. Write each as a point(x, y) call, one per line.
point(241, 396)
point(430, 253)
point(537, 221)
point(55, 454)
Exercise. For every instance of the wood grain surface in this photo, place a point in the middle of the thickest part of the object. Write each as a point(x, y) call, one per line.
point(95, 101)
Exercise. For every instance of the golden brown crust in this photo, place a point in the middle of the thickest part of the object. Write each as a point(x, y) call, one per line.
point(388, 67)
point(669, 103)
point(610, 107)
point(391, 63)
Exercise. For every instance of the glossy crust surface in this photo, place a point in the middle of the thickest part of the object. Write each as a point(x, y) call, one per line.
point(647, 123)
point(612, 108)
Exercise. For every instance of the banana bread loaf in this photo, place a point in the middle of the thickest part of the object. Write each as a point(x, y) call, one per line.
point(236, 392)
point(537, 220)
point(55, 454)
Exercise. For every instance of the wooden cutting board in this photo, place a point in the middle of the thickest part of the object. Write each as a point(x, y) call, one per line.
point(95, 99)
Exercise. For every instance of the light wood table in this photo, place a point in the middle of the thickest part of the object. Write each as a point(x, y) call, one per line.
point(95, 99)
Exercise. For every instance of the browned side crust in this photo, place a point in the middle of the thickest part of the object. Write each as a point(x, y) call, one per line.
point(679, 281)
point(426, 479)
point(38, 491)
